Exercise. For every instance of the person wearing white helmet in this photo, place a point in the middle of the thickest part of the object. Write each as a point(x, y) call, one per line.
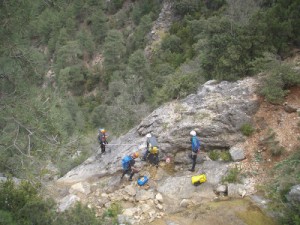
point(151, 153)
point(195, 148)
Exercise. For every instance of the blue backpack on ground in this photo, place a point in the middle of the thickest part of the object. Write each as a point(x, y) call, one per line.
point(142, 180)
point(125, 162)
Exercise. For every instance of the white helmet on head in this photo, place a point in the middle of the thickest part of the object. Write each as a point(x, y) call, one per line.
point(148, 135)
point(193, 133)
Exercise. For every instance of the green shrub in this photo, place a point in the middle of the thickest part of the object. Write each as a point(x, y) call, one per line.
point(213, 155)
point(276, 149)
point(279, 76)
point(247, 129)
point(6, 218)
point(258, 157)
point(79, 215)
point(284, 175)
point(225, 156)
point(113, 210)
point(272, 89)
point(24, 204)
point(232, 176)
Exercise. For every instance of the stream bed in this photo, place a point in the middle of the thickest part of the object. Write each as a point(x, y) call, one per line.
point(225, 212)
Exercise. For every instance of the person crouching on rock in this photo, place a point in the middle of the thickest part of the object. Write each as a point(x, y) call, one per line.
point(128, 165)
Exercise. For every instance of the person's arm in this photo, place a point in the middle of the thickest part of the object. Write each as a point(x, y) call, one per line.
point(133, 167)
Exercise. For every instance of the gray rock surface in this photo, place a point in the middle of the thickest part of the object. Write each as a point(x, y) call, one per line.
point(294, 195)
point(216, 112)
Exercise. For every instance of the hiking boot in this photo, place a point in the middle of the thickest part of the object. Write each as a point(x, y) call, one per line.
point(191, 170)
point(130, 179)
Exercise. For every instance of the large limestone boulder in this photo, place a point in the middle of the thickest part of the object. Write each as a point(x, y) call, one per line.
point(216, 112)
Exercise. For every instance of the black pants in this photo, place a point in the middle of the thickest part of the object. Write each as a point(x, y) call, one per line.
point(129, 172)
point(153, 159)
point(194, 158)
point(102, 146)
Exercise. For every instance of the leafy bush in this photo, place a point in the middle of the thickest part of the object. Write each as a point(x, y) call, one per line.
point(22, 204)
point(273, 89)
point(284, 175)
point(79, 215)
point(225, 156)
point(213, 155)
point(272, 144)
point(247, 129)
point(232, 176)
point(279, 76)
point(6, 218)
point(113, 210)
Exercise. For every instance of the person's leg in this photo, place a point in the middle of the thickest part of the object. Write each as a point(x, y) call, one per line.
point(156, 160)
point(102, 147)
point(125, 172)
point(145, 156)
point(194, 157)
point(151, 158)
point(131, 175)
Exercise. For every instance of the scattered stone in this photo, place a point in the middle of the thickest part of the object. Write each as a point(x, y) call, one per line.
point(130, 190)
point(237, 153)
point(82, 187)
point(67, 202)
point(221, 189)
point(185, 203)
point(159, 206)
point(294, 195)
point(236, 190)
point(144, 195)
point(159, 197)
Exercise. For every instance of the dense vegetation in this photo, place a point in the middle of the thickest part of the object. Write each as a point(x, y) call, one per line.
point(23, 205)
point(69, 67)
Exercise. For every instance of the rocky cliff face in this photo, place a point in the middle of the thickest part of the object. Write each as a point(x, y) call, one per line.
point(216, 112)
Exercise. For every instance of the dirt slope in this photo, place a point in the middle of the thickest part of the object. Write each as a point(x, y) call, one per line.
point(272, 119)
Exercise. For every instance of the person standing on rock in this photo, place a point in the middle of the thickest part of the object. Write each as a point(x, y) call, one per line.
point(102, 139)
point(195, 142)
point(128, 165)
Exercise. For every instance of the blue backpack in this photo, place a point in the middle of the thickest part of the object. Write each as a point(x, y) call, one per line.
point(125, 162)
point(195, 144)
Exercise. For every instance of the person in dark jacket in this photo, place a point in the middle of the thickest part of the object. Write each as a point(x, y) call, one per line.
point(195, 148)
point(102, 139)
point(152, 151)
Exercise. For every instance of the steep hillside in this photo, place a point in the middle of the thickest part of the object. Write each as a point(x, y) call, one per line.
point(276, 136)
point(97, 182)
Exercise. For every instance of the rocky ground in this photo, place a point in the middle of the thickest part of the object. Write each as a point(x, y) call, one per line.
point(169, 190)
point(272, 118)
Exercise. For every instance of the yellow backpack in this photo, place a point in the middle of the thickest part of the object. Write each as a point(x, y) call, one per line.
point(198, 179)
point(154, 150)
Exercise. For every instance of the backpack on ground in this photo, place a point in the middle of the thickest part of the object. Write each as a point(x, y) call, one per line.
point(198, 179)
point(125, 162)
point(142, 180)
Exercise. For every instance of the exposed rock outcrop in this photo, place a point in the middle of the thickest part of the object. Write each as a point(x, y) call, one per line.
point(216, 112)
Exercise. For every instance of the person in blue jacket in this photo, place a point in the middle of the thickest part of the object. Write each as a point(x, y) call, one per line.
point(195, 142)
point(128, 165)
